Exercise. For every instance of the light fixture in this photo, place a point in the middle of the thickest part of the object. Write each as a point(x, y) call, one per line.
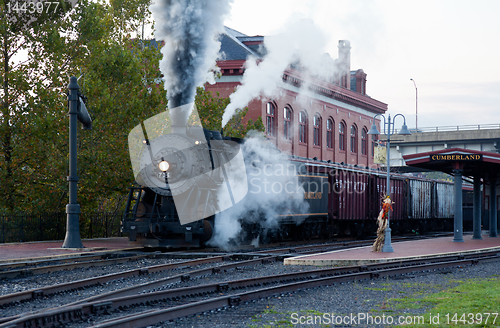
point(163, 166)
point(404, 130)
point(373, 129)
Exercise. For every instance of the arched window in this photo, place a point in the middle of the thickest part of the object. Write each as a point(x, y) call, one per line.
point(270, 119)
point(287, 123)
point(354, 139)
point(364, 141)
point(329, 133)
point(342, 138)
point(303, 127)
point(374, 141)
point(317, 130)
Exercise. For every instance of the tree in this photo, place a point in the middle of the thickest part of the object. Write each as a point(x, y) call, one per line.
point(92, 39)
point(33, 58)
point(118, 73)
point(211, 109)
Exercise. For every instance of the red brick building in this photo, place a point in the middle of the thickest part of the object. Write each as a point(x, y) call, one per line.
point(330, 123)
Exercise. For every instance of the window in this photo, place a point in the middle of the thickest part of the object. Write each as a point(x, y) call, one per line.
point(364, 141)
point(302, 127)
point(270, 119)
point(287, 123)
point(354, 139)
point(329, 133)
point(317, 130)
point(374, 142)
point(342, 136)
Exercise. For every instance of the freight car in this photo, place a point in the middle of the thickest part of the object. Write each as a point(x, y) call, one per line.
point(350, 198)
point(342, 200)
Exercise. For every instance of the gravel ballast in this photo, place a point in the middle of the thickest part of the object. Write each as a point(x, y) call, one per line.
point(369, 297)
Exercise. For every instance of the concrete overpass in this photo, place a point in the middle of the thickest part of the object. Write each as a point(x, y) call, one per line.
point(485, 137)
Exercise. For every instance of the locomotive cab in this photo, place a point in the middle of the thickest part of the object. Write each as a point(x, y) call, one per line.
point(152, 220)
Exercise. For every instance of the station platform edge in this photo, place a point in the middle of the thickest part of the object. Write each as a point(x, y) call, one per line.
point(415, 249)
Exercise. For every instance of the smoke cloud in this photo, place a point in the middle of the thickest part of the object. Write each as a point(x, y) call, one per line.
point(189, 29)
point(301, 44)
point(273, 190)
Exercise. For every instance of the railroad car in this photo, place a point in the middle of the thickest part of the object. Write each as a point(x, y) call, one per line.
point(342, 200)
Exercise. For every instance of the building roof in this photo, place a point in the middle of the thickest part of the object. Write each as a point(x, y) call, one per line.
point(472, 162)
point(236, 47)
point(232, 46)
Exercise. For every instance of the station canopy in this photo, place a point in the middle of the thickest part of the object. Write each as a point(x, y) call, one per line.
point(472, 162)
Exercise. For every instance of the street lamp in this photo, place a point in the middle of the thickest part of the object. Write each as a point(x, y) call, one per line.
point(416, 105)
point(404, 131)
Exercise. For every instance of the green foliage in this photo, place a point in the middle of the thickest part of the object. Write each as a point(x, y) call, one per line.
point(120, 77)
point(35, 64)
point(211, 109)
point(438, 176)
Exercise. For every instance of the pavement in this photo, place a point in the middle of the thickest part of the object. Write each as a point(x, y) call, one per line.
point(15, 252)
point(415, 249)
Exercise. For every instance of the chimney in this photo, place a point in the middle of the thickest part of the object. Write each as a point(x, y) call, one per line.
point(360, 82)
point(344, 64)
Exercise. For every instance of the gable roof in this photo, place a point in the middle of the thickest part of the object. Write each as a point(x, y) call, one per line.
point(232, 46)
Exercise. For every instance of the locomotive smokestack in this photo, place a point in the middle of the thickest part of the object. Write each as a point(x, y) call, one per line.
point(189, 29)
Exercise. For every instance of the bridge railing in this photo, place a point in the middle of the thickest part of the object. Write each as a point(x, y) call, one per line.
point(469, 127)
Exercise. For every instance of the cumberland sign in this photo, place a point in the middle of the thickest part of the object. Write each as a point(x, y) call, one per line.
point(456, 157)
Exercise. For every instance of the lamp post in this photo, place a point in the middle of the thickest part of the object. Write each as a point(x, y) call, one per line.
point(77, 111)
point(387, 248)
point(416, 105)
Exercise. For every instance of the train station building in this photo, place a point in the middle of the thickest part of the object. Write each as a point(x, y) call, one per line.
point(329, 123)
point(480, 166)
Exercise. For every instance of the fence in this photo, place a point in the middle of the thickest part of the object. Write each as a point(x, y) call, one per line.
point(22, 227)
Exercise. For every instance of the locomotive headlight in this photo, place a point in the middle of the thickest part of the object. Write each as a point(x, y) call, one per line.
point(163, 166)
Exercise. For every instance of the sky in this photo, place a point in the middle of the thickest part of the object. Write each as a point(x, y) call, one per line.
point(450, 48)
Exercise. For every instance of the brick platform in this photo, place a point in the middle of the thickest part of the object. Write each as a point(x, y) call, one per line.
point(52, 249)
point(408, 249)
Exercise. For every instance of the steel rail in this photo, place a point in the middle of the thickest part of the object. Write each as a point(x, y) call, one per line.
point(332, 246)
point(153, 317)
point(80, 257)
point(69, 266)
point(134, 290)
point(314, 278)
point(80, 284)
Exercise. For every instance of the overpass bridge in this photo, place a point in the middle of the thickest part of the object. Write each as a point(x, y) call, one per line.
point(484, 137)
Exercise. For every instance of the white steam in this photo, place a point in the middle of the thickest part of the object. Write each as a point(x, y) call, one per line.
point(302, 43)
point(273, 191)
point(190, 29)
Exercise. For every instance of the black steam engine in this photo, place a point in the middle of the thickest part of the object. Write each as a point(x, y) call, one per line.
point(174, 203)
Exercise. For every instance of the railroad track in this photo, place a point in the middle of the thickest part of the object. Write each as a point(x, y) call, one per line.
point(133, 290)
point(115, 303)
point(41, 266)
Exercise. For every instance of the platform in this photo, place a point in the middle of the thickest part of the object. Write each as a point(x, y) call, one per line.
point(415, 249)
point(11, 252)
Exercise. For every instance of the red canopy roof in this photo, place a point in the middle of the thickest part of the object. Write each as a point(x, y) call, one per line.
point(473, 162)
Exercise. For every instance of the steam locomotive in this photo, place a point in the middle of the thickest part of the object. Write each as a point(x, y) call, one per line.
point(173, 207)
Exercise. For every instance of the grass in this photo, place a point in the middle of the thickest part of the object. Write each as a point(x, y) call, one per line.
point(378, 289)
point(470, 300)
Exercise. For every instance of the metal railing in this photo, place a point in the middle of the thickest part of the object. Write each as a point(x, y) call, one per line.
point(470, 127)
point(23, 227)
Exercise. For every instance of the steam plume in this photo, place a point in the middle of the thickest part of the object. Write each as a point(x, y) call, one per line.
point(189, 29)
point(302, 43)
point(273, 190)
